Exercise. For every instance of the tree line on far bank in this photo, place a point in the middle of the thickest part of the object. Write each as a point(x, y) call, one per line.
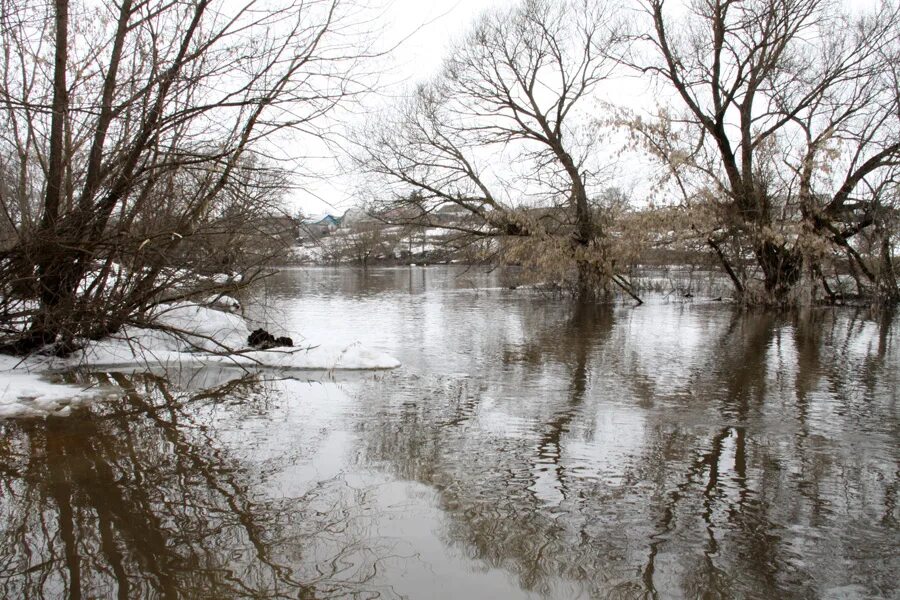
point(775, 142)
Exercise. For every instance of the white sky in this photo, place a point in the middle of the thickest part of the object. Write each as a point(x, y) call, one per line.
point(431, 25)
point(422, 30)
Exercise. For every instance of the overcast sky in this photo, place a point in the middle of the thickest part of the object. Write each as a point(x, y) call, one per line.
point(431, 26)
point(422, 31)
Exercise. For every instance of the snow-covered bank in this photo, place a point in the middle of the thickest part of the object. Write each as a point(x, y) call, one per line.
point(200, 335)
point(185, 335)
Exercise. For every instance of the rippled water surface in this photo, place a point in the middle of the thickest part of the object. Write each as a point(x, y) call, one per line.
point(529, 447)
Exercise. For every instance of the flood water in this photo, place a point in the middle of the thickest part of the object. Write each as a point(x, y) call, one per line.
point(529, 447)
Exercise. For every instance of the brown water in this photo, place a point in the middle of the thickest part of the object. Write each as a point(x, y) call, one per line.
point(527, 448)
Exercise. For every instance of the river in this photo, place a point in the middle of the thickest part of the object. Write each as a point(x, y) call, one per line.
point(529, 447)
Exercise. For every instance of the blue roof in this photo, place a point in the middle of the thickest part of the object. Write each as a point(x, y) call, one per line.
point(322, 220)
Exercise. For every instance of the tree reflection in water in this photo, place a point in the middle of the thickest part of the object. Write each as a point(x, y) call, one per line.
point(138, 498)
point(588, 451)
point(741, 470)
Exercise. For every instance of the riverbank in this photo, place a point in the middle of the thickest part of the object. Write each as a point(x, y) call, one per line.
point(179, 335)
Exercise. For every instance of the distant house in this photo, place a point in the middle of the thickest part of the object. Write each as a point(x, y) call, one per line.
point(319, 226)
point(354, 217)
point(450, 214)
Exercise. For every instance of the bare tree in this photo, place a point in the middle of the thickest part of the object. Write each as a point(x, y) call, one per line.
point(511, 93)
point(789, 133)
point(361, 242)
point(150, 135)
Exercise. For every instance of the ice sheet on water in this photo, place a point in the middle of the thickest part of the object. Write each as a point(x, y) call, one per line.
point(194, 336)
point(25, 391)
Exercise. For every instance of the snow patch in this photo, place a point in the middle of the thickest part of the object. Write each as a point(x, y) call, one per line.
point(203, 336)
point(25, 393)
point(224, 303)
point(194, 336)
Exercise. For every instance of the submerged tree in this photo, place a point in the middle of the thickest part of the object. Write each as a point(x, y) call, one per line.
point(789, 141)
point(501, 134)
point(131, 136)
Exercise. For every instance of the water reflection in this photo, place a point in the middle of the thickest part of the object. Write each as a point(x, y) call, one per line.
point(752, 472)
point(140, 498)
point(528, 448)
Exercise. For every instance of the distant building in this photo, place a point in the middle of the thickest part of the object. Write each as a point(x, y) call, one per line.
point(354, 217)
point(450, 214)
point(319, 226)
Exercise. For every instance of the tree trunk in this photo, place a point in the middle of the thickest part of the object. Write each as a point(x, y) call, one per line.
point(781, 269)
point(50, 250)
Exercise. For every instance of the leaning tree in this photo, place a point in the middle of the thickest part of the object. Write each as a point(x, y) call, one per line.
point(132, 140)
point(787, 139)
